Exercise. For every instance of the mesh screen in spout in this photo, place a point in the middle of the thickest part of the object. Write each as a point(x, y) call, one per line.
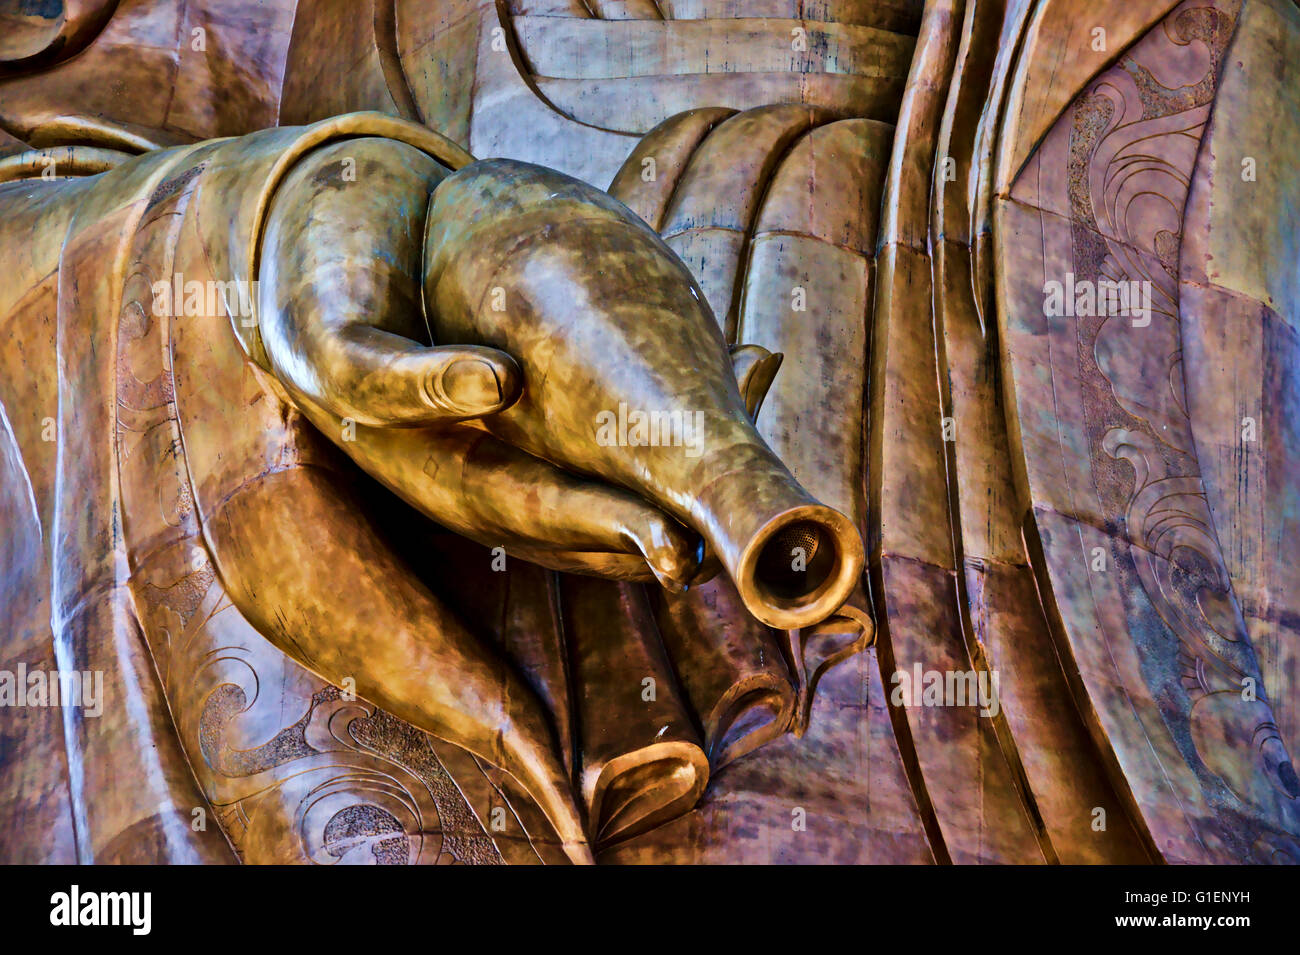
point(786, 572)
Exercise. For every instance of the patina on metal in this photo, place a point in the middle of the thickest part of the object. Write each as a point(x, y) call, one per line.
point(862, 431)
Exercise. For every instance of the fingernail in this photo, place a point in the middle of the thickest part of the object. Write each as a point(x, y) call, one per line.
point(472, 383)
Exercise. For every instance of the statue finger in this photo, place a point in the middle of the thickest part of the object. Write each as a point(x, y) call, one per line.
point(381, 379)
point(479, 486)
point(340, 308)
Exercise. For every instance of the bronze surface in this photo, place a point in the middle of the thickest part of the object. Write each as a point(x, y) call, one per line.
point(541, 431)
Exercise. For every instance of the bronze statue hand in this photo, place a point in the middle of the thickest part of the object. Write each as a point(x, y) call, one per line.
point(367, 250)
point(342, 321)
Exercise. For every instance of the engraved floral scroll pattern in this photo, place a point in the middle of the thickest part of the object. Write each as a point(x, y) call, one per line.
point(1134, 140)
